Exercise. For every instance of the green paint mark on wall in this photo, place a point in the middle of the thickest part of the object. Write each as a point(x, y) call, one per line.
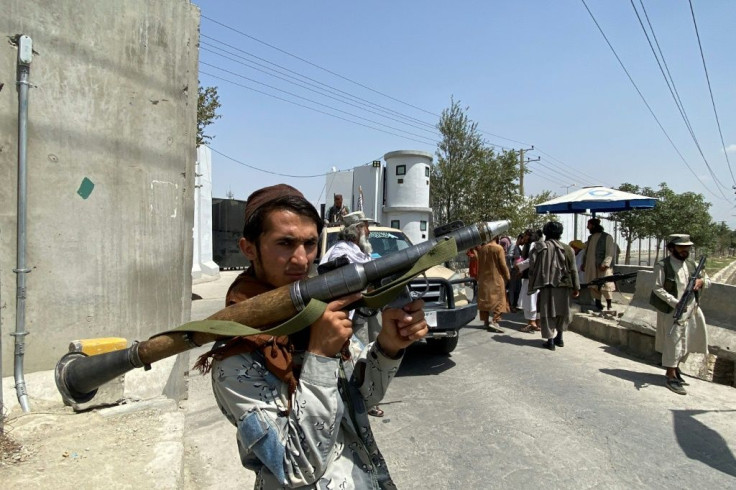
point(85, 188)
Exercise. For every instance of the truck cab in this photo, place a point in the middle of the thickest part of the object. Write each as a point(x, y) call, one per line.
point(449, 296)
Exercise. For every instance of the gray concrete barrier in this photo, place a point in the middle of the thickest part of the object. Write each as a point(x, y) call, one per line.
point(636, 328)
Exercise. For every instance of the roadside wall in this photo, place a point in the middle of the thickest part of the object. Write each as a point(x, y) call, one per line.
point(636, 329)
point(111, 154)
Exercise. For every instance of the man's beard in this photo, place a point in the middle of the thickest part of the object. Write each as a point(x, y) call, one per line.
point(365, 245)
point(681, 256)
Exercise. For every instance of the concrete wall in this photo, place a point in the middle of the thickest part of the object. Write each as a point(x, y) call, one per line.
point(718, 307)
point(203, 266)
point(114, 102)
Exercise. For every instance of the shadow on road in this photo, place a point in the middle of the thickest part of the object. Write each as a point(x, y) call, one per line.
point(419, 360)
point(700, 442)
point(640, 380)
point(530, 341)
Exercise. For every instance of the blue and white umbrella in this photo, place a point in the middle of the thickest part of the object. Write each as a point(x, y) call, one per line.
point(597, 199)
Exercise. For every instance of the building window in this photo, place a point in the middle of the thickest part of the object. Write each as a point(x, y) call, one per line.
point(401, 181)
point(395, 223)
point(422, 226)
point(426, 171)
point(400, 169)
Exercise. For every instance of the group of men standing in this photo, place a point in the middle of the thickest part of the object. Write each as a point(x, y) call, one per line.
point(556, 271)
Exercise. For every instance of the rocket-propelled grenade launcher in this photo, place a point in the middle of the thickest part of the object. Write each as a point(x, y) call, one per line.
point(78, 376)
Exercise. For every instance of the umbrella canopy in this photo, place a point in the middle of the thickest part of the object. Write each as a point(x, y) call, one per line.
point(596, 199)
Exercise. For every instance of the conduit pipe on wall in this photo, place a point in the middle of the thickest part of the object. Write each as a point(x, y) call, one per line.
point(25, 55)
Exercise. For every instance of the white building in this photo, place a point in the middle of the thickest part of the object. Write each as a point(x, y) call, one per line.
point(395, 194)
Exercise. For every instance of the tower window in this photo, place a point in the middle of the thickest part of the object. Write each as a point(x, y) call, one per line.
point(400, 169)
point(422, 226)
point(395, 223)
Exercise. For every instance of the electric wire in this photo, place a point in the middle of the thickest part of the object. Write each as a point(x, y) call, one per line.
point(549, 173)
point(546, 176)
point(253, 167)
point(346, 78)
point(427, 139)
point(710, 90)
point(566, 167)
point(316, 83)
point(320, 92)
point(651, 111)
point(316, 65)
point(671, 86)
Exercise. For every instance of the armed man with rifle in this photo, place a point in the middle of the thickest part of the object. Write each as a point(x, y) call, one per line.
point(681, 325)
point(600, 255)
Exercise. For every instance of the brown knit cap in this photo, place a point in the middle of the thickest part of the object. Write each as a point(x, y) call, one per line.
point(261, 197)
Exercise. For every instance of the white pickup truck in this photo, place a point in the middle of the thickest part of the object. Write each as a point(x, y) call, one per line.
point(449, 296)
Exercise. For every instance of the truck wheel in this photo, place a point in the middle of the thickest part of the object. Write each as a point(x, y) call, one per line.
point(443, 345)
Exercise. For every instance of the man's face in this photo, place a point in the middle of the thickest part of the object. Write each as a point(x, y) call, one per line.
point(590, 227)
point(681, 252)
point(338, 201)
point(287, 247)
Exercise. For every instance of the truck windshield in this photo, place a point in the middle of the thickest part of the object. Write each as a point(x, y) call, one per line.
point(387, 242)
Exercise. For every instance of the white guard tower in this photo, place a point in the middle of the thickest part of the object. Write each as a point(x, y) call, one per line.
point(407, 193)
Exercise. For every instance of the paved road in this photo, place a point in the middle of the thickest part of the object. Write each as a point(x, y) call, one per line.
point(501, 412)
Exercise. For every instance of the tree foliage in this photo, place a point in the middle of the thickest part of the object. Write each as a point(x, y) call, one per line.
point(637, 223)
point(471, 181)
point(207, 104)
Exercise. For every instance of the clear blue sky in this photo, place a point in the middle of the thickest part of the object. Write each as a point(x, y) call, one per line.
point(531, 73)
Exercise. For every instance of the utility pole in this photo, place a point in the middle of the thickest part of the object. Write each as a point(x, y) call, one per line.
point(521, 168)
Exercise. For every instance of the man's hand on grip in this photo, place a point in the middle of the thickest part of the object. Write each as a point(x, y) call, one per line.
point(402, 327)
point(330, 332)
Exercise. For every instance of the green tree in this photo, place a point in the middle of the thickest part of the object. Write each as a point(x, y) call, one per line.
point(634, 224)
point(459, 154)
point(207, 105)
point(470, 181)
point(682, 213)
point(526, 213)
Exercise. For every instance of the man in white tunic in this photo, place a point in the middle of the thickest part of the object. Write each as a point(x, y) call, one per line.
point(354, 245)
point(689, 334)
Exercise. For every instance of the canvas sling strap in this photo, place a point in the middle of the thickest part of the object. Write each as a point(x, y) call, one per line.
point(441, 252)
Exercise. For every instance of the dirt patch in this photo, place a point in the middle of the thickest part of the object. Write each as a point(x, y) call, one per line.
point(11, 452)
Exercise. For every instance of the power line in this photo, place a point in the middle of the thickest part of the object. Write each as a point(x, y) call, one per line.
point(312, 108)
point(312, 101)
point(349, 79)
point(318, 91)
point(316, 65)
point(550, 174)
point(264, 170)
point(672, 88)
point(365, 87)
point(316, 82)
point(710, 90)
point(646, 103)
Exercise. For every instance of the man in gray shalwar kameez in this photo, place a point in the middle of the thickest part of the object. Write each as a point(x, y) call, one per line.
point(553, 273)
point(690, 334)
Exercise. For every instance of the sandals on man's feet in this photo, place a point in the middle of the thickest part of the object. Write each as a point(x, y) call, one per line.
point(375, 412)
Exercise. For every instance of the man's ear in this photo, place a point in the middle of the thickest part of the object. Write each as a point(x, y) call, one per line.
point(248, 248)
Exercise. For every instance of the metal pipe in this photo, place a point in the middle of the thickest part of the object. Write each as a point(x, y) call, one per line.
point(2, 404)
point(25, 51)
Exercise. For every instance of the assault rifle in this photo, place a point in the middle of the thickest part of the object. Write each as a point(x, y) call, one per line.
point(613, 278)
point(78, 376)
point(688, 294)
